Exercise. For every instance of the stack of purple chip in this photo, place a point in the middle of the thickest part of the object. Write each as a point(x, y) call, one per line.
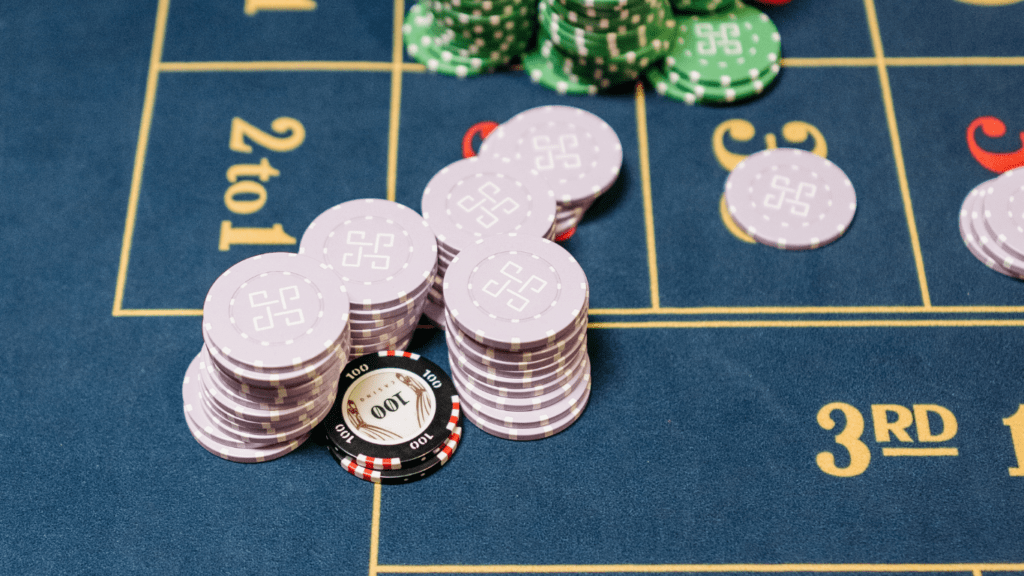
point(276, 336)
point(516, 311)
point(790, 199)
point(576, 152)
point(386, 255)
point(477, 198)
point(992, 223)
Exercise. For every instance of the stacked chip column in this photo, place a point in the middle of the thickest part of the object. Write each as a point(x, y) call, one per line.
point(590, 45)
point(386, 256)
point(516, 310)
point(276, 336)
point(576, 152)
point(468, 37)
point(480, 197)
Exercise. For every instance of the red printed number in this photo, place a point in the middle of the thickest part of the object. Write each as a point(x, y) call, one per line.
point(997, 162)
point(484, 129)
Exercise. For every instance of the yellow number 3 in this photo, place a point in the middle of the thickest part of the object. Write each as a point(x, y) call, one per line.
point(849, 438)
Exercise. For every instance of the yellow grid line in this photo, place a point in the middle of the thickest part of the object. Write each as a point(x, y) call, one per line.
point(697, 311)
point(883, 323)
point(289, 66)
point(903, 62)
point(645, 179)
point(897, 149)
point(149, 102)
point(371, 66)
point(768, 310)
point(397, 49)
point(375, 530)
point(695, 568)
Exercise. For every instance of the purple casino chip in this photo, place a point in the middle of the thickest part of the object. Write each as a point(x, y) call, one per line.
point(515, 379)
point(536, 433)
point(280, 383)
point(575, 151)
point(541, 389)
point(994, 255)
point(276, 312)
point(211, 439)
point(524, 358)
point(514, 293)
point(1004, 211)
point(790, 199)
point(382, 250)
point(532, 418)
point(528, 404)
point(479, 197)
point(970, 211)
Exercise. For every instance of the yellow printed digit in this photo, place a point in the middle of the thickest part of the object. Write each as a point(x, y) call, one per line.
point(254, 7)
point(1016, 424)
point(245, 197)
point(291, 135)
point(229, 236)
point(849, 438)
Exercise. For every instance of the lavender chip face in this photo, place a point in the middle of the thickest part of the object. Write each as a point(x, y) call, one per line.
point(513, 293)
point(276, 311)
point(480, 197)
point(383, 251)
point(1004, 211)
point(574, 150)
point(790, 199)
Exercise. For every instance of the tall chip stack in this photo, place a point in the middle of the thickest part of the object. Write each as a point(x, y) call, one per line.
point(386, 255)
point(517, 312)
point(576, 152)
point(468, 37)
point(719, 57)
point(479, 197)
point(585, 46)
point(276, 336)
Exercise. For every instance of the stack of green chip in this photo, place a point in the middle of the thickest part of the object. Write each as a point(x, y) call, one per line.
point(702, 6)
point(590, 45)
point(720, 58)
point(468, 37)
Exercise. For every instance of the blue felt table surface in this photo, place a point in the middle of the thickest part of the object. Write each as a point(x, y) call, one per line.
point(712, 358)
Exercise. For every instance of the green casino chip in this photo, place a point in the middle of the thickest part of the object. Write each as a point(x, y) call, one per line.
point(547, 67)
point(702, 6)
point(676, 87)
point(726, 48)
point(582, 42)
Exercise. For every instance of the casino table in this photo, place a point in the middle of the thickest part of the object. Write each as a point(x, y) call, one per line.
point(853, 409)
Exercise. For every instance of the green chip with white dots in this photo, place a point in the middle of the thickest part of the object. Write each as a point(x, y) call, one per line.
point(726, 48)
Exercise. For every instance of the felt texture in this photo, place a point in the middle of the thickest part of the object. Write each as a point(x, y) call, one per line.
point(699, 445)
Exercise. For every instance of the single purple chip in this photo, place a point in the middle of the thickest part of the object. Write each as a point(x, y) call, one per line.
point(478, 197)
point(790, 199)
point(512, 292)
point(276, 311)
point(383, 251)
point(574, 150)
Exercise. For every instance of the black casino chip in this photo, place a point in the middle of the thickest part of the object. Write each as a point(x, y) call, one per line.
point(394, 410)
